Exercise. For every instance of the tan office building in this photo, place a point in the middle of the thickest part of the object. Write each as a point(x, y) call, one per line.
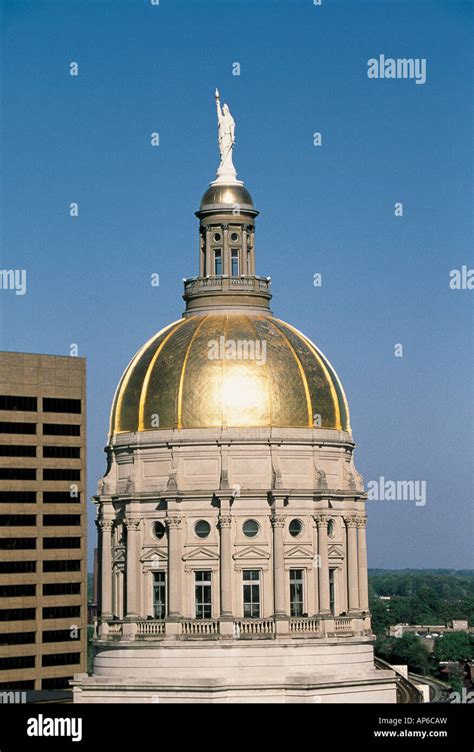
point(43, 572)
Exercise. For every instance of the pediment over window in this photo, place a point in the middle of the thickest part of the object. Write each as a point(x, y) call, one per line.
point(299, 552)
point(154, 555)
point(119, 557)
point(335, 552)
point(201, 554)
point(251, 552)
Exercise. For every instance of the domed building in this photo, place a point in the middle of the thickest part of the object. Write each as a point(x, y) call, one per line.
point(233, 563)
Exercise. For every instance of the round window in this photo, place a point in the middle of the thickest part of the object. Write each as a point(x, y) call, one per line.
point(296, 528)
point(202, 529)
point(159, 530)
point(250, 528)
point(217, 238)
point(234, 237)
point(331, 528)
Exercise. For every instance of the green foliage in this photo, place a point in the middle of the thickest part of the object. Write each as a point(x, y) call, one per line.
point(422, 596)
point(454, 646)
point(408, 649)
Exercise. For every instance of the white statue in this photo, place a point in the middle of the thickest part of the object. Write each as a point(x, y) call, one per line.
point(226, 137)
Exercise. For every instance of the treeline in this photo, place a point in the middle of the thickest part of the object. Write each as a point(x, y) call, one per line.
point(420, 597)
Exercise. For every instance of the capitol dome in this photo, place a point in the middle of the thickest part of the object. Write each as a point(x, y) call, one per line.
point(233, 369)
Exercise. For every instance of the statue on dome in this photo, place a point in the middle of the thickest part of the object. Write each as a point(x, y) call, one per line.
point(226, 138)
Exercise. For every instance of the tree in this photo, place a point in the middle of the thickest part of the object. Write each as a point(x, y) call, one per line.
point(454, 646)
point(409, 649)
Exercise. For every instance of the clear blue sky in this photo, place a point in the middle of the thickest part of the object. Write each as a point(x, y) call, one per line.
point(327, 209)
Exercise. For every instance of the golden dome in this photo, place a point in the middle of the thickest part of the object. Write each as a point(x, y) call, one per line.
point(230, 370)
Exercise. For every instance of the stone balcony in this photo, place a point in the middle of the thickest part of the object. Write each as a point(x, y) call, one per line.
point(234, 629)
point(246, 290)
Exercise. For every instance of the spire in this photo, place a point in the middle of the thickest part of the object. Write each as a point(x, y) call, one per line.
point(226, 237)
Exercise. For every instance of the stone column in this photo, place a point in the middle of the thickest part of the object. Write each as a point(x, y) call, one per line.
point(173, 523)
point(362, 559)
point(225, 251)
point(322, 523)
point(316, 566)
point(252, 252)
point(106, 527)
point(208, 269)
point(245, 268)
point(278, 523)
point(202, 249)
point(133, 567)
point(352, 568)
point(225, 525)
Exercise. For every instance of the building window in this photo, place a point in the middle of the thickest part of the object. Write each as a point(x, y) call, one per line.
point(60, 565)
point(62, 452)
point(17, 497)
point(17, 614)
point(61, 497)
point(57, 682)
point(61, 635)
point(218, 262)
point(61, 519)
point(234, 237)
point(61, 474)
point(250, 528)
point(202, 529)
point(21, 661)
point(296, 592)
point(11, 544)
point(9, 427)
point(203, 597)
point(17, 591)
point(159, 530)
point(296, 528)
point(12, 402)
point(234, 259)
point(17, 520)
point(251, 593)
point(331, 529)
point(17, 450)
point(15, 567)
point(159, 595)
point(62, 588)
point(59, 429)
point(217, 238)
point(61, 612)
point(17, 473)
point(18, 638)
point(61, 542)
point(55, 405)
point(60, 659)
point(332, 590)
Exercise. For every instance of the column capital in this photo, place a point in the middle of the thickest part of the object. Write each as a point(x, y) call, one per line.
point(224, 520)
point(278, 520)
point(350, 521)
point(173, 521)
point(361, 521)
point(321, 520)
point(105, 525)
point(132, 523)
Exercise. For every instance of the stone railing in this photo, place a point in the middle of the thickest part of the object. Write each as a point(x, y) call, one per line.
point(343, 624)
point(150, 628)
point(245, 628)
point(253, 627)
point(305, 626)
point(247, 283)
point(200, 627)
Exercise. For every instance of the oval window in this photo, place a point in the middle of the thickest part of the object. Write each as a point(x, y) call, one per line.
point(331, 528)
point(234, 237)
point(159, 530)
point(250, 528)
point(296, 528)
point(217, 238)
point(202, 529)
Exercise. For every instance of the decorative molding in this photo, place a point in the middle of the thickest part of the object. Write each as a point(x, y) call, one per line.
point(201, 553)
point(173, 521)
point(106, 526)
point(132, 523)
point(299, 552)
point(251, 552)
point(321, 520)
point(224, 521)
point(350, 521)
point(336, 551)
point(361, 522)
point(278, 520)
